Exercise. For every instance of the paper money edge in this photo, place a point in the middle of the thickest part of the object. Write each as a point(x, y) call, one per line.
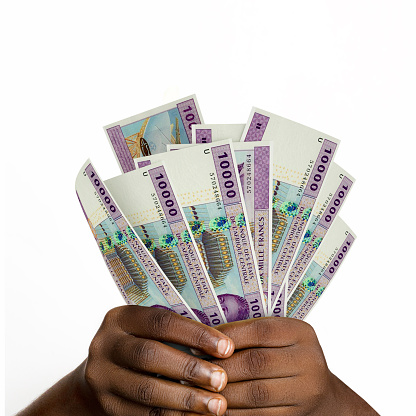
point(81, 173)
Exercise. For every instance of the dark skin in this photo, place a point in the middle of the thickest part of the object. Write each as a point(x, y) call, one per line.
point(260, 367)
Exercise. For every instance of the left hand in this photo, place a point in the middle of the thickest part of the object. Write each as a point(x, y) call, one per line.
point(278, 369)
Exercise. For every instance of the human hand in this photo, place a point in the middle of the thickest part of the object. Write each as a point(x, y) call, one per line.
point(279, 369)
point(127, 353)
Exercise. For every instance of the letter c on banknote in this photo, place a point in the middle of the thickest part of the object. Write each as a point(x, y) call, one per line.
point(145, 173)
point(320, 140)
point(206, 151)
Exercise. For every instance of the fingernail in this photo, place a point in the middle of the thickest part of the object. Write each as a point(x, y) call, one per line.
point(218, 379)
point(214, 406)
point(223, 346)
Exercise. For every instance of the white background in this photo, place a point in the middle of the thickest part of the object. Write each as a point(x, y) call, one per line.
point(68, 68)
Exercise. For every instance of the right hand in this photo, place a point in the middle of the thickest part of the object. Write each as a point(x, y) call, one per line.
point(127, 352)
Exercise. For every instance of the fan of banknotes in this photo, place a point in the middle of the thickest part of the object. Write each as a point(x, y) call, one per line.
point(219, 222)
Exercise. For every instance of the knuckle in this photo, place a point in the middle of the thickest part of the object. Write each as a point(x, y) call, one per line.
point(258, 393)
point(264, 329)
point(145, 354)
point(255, 362)
point(98, 376)
point(287, 395)
point(286, 358)
point(110, 406)
point(200, 337)
point(161, 322)
point(96, 347)
point(144, 391)
point(321, 362)
point(90, 375)
point(118, 346)
point(112, 315)
point(189, 400)
point(191, 370)
point(318, 365)
point(308, 331)
point(157, 411)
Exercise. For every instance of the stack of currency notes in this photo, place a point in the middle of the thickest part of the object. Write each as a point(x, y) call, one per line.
point(219, 222)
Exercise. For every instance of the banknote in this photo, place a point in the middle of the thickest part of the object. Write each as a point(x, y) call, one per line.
point(149, 202)
point(328, 259)
point(279, 307)
point(332, 196)
point(301, 158)
point(208, 133)
point(254, 168)
point(254, 165)
point(207, 185)
point(135, 272)
point(148, 133)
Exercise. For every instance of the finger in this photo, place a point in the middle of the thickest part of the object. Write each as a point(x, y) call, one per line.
point(265, 411)
point(150, 356)
point(262, 393)
point(117, 406)
point(261, 363)
point(265, 332)
point(163, 325)
point(196, 352)
point(152, 392)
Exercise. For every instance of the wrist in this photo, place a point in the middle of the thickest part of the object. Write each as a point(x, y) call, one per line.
point(348, 403)
point(70, 396)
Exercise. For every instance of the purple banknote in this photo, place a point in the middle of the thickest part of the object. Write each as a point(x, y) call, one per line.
point(325, 264)
point(301, 159)
point(208, 187)
point(137, 275)
point(149, 202)
point(334, 192)
point(150, 132)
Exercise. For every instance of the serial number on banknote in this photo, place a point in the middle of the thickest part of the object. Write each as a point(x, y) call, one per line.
point(159, 210)
point(249, 172)
point(305, 178)
point(216, 190)
point(324, 206)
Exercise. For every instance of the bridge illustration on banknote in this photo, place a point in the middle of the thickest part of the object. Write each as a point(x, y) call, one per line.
point(139, 146)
